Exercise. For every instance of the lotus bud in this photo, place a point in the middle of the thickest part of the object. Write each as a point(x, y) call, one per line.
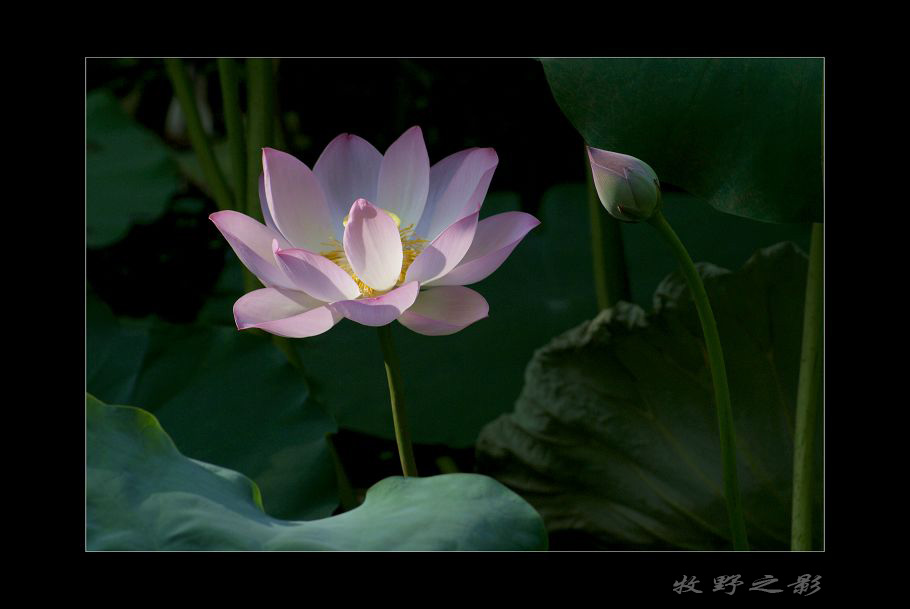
point(628, 188)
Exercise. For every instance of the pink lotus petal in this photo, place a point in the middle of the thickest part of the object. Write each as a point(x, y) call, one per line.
point(264, 204)
point(404, 177)
point(618, 163)
point(316, 275)
point(458, 185)
point(444, 310)
point(347, 170)
point(627, 187)
point(445, 252)
point(372, 245)
point(380, 310)
point(295, 200)
point(494, 240)
point(252, 242)
point(284, 312)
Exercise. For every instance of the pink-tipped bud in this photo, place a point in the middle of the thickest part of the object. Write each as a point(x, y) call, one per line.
point(628, 188)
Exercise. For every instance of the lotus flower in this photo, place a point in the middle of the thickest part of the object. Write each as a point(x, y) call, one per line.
point(372, 238)
point(627, 187)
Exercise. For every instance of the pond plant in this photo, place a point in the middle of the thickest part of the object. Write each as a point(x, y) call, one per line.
point(693, 424)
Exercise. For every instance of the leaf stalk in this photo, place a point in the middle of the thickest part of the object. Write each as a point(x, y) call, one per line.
point(808, 395)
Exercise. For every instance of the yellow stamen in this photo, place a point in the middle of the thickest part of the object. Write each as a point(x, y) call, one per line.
point(411, 245)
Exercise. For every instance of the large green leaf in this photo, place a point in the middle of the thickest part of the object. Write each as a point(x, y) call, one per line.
point(130, 175)
point(454, 385)
point(615, 432)
point(227, 397)
point(744, 134)
point(142, 494)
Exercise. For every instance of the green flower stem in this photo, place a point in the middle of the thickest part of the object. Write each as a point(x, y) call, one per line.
point(284, 343)
point(719, 375)
point(611, 281)
point(281, 140)
point(260, 104)
point(807, 396)
point(447, 465)
point(233, 119)
point(250, 283)
point(399, 417)
point(345, 489)
point(201, 145)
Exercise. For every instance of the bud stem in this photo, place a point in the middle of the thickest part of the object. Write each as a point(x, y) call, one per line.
point(719, 376)
point(396, 396)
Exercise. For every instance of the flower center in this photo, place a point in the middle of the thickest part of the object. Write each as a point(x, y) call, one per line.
point(411, 245)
